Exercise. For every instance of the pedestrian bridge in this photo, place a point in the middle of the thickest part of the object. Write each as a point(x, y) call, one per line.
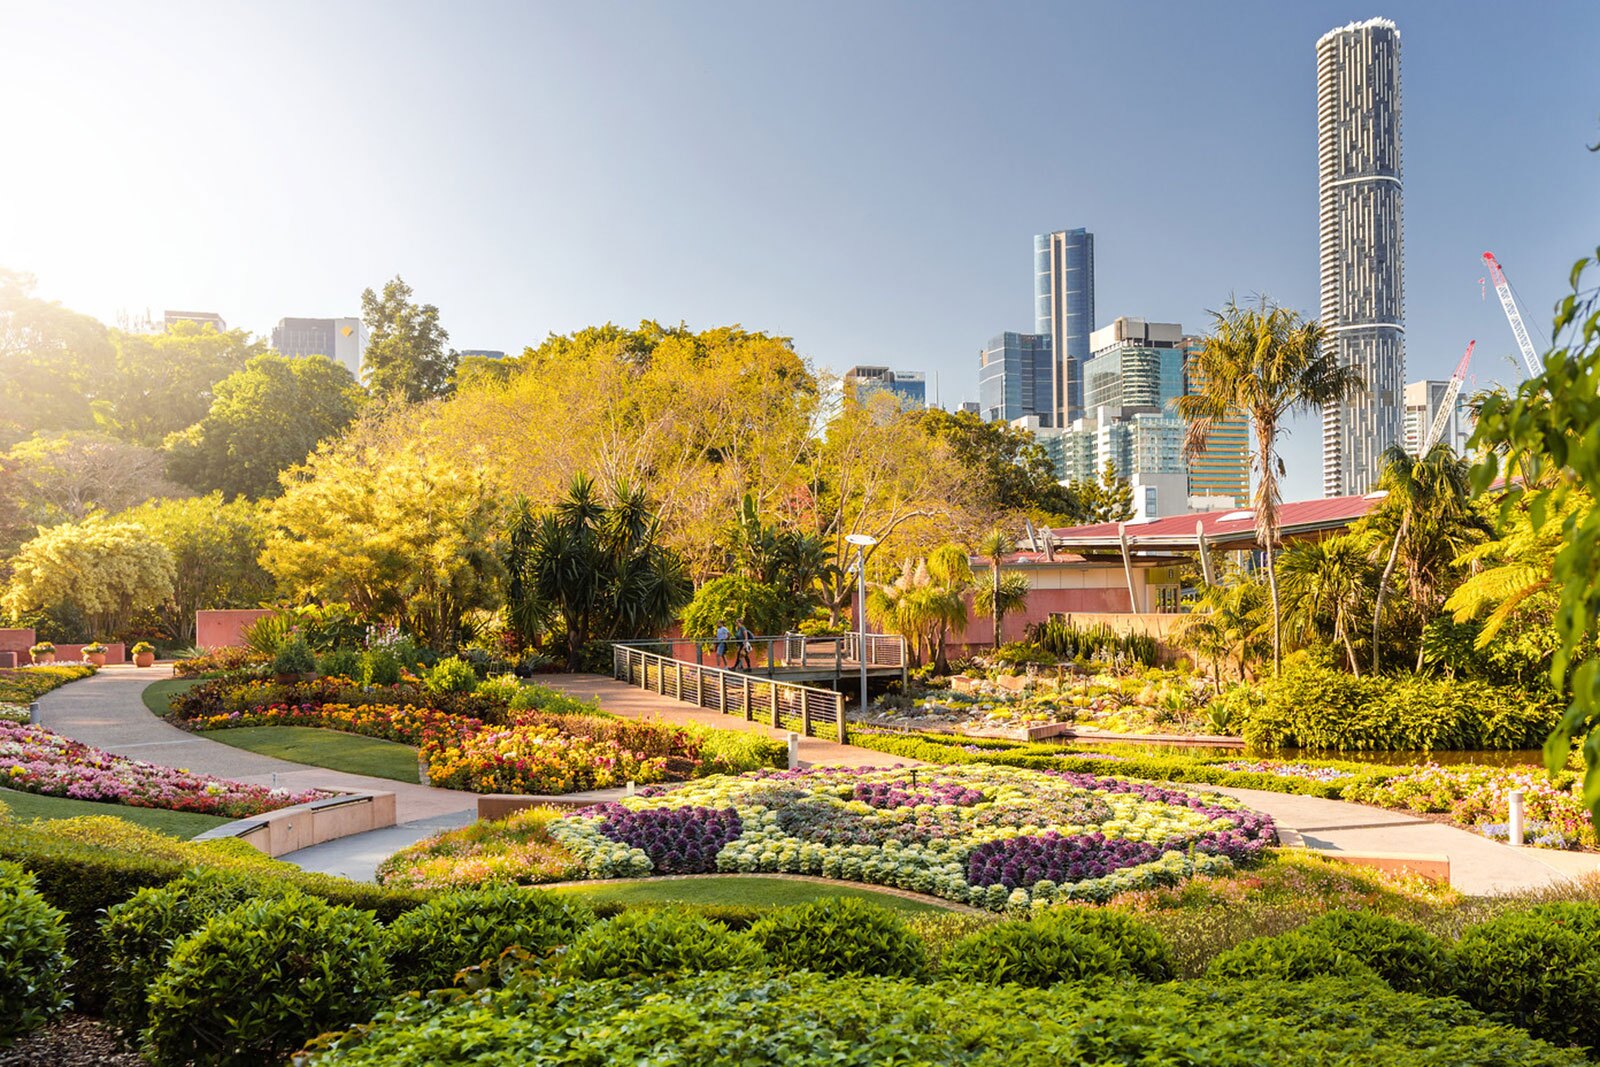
point(781, 687)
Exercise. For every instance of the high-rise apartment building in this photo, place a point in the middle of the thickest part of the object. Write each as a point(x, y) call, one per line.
point(1360, 244)
point(341, 340)
point(1063, 267)
point(1422, 407)
point(1222, 472)
point(909, 387)
point(1016, 375)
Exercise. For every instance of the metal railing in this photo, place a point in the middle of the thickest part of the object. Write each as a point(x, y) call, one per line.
point(780, 652)
point(807, 710)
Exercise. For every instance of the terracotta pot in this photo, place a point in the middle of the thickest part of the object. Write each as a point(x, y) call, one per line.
point(286, 677)
point(143, 659)
point(42, 658)
point(96, 658)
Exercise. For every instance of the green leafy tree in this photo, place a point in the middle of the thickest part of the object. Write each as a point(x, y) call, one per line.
point(215, 548)
point(263, 420)
point(1266, 362)
point(165, 382)
point(1015, 474)
point(1545, 440)
point(1108, 500)
point(51, 361)
point(1228, 622)
point(406, 356)
point(1002, 593)
point(764, 608)
point(405, 539)
point(780, 557)
point(925, 603)
point(1428, 522)
point(597, 565)
point(109, 571)
point(1324, 584)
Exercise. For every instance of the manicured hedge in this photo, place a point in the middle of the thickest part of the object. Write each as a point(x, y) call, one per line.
point(841, 936)
point(33, 956)
point(1538, 969)
point(1323, 708)
point(808, 1020)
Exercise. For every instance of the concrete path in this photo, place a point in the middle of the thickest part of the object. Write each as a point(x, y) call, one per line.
point(1478, 866)
point(108, 712)
point(631, 702)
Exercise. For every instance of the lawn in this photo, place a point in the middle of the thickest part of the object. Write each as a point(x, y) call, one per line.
point(745, 891)
point(317, 747)
point(158, 695)
point(182, 824)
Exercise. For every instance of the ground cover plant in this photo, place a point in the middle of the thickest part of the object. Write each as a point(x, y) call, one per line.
point(36, 760)
point(991, 837)
point(21, 686)
point(804, 1019)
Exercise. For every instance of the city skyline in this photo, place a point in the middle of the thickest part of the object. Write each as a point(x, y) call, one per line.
point(503, 189)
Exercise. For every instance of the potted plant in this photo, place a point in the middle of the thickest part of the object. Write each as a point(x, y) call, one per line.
point(95, 653)
point(294, 661)
point(43, 652)
point(144, 654)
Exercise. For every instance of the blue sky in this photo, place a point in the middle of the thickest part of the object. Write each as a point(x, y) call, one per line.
point(864, 177)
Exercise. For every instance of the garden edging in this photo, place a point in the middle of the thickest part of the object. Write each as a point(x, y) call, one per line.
point(303, 825)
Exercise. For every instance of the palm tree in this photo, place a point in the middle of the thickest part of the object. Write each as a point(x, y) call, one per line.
point(1226, 622)
point(925, 603)
point(1327, 577)
point(1004, 593)
point(1431, 497)
point(1266, 363)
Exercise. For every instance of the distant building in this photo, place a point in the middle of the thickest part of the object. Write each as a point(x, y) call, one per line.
point(1360, 245)
point(907, 386)
point(1016, 377)
point(201, 318)
point(1134, 364)
point(482, 353)
point(341, 340)
point(1422, 407)
point(970, 407)
point(1219, 477)
point(1063, 268)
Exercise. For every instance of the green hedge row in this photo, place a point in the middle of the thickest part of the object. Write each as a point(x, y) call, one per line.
point(1318, 707)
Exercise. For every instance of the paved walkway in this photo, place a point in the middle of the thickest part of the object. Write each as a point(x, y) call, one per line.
point(631, 702)
point(108, 712)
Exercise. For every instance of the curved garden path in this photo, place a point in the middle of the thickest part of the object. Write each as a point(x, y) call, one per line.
point(108, 712)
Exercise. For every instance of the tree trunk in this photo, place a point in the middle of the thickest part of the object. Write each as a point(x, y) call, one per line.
point(1421, 639)
point(1277, 620)
point(1383, 588)
point(1342, 632)
point(994, 605)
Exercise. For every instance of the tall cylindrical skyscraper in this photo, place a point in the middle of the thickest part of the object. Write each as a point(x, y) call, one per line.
point(1360, 245)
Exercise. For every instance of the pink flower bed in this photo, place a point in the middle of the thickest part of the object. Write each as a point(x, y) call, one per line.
point(35, 760)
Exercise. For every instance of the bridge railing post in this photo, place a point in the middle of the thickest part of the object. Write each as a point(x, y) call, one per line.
point(838, 718)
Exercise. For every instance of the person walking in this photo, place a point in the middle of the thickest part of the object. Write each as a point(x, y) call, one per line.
point(722, 644)
point(742, 635)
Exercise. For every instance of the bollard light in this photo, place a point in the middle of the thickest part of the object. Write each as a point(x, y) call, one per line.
point(630, 789)
point(1516, 818)
point(33, 713)
point(794, 751)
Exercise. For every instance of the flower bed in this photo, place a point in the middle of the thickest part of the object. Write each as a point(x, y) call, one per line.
point(35, 760)
point(1479, 798)
point(23, 685)
point(517, 850)
point(995, 837)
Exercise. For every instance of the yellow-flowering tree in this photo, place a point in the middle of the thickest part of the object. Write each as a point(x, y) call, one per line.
point(108, 570)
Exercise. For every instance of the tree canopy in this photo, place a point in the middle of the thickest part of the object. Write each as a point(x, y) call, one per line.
point(405, 357)
point(215, 548)
point(164, 382)
point(107, 570)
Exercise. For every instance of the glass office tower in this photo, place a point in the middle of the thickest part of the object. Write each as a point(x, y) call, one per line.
point(1063, 267)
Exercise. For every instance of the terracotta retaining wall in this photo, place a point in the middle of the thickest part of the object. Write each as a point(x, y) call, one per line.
point(304, 825)
point(225, 628)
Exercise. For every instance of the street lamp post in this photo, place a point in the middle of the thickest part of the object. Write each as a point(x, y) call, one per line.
point(862, 543)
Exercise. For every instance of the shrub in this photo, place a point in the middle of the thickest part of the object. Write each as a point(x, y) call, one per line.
point(656, 942)
point(294, 657)
point(452, 675)
point(1098, 642)
point(268, 634)
point(501, 688)
point(139, 933)
point(841, 936)
point(429, 944)
point(1325, 708)
point(738, 751)
point(33, 956)
point(1536, 969)
point(518, 850)
point(1147, 952)
point(379, 666)
point(1039, 953)
point(810, 1020)
point(257, 982)
point(1410, 959)
point(140, 648)
point(1021, 654)
point(543, 698)
point(94, 648)
point(766, 609)
point(340, 663)
point(1292, 957)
